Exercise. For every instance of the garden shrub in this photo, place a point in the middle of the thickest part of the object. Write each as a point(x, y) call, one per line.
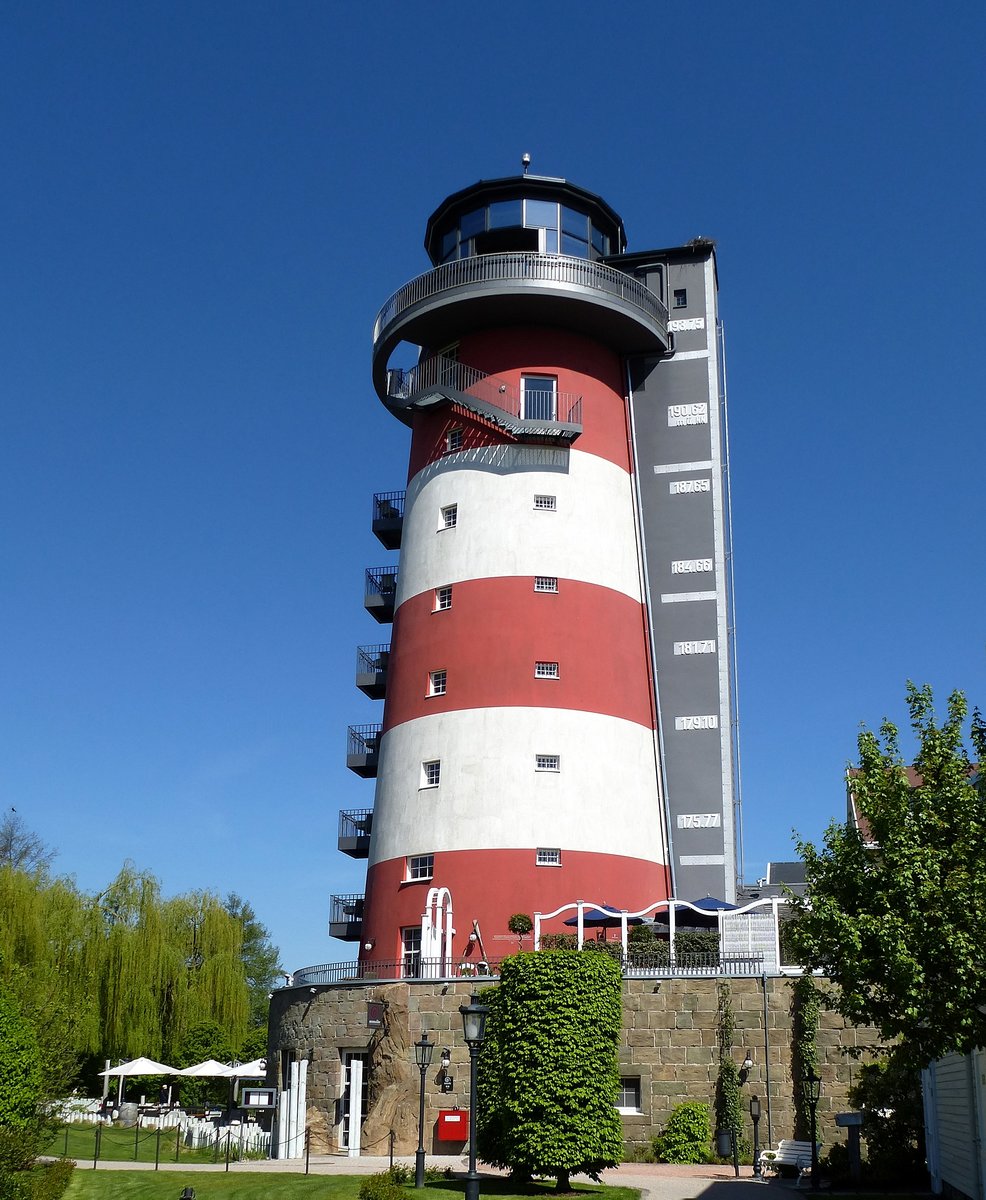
point(382, 1186)
point(687, 1136)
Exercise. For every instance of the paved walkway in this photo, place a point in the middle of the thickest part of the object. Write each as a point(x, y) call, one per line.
point(657, 1181)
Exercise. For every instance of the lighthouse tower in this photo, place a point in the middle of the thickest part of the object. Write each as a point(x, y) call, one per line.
point(557, 714)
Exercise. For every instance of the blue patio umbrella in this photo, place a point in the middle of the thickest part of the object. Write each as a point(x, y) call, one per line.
point(606, 917)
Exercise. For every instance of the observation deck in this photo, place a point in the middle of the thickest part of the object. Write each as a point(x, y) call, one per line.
point(516, 288)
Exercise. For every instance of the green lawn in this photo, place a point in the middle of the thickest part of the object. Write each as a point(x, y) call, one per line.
point(258, 1185)
point(126, 1145)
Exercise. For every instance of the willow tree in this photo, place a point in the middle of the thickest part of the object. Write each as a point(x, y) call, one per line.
point(168, 965)
point(126, 972)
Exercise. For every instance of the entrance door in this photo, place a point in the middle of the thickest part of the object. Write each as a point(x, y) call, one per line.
point(539, 397)
point(347, 1058)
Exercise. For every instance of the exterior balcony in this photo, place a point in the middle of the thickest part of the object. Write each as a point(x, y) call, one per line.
point(520, 287)
point(355, 825)
point(363, 750)
point(380, 593)
point(372, 663)
point(543, 416)
point(346, 917)
point(388, 518)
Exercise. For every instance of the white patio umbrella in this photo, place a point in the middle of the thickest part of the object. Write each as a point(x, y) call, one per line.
point(251, 1070)
point(136, 1066)
point(205, 1070)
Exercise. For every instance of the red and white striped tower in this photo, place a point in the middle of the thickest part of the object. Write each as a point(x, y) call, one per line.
point(519, 763)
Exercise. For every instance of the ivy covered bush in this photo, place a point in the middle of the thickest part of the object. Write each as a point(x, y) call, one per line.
point(548, 1069)
point(687, 1136)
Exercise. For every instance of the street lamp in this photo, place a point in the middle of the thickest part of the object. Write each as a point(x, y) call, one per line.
point(423, 1050)
point(755, 1118)
point(474, 1017)
point(811, 1089)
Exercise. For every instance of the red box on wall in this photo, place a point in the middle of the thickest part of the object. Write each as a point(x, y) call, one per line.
point(453, 1125)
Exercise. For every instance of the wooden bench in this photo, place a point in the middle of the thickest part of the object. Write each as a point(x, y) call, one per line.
point(791, 1153)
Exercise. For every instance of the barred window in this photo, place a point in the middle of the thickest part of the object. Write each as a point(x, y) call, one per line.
point(546, 583)
point(547, 857)
point(547, 762)
point(546, 503)
point(545, 670)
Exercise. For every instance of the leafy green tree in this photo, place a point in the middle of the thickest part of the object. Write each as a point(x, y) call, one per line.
point(21, 1088)
point(261, 959)
point(548, 1069)
point(897, 918)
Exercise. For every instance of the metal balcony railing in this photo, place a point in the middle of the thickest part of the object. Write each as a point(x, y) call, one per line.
point(345, 910)
point(388, 506)
point(355, 822)
point(636, 967)
point(388, 518)
point(363, 739)
point(561, 269)
point(381, 581)
point(545, 408)
point(372, 663)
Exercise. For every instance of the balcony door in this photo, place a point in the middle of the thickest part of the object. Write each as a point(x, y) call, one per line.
point(539, 397)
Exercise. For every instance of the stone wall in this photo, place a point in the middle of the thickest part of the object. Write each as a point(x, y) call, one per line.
point(669, 1043)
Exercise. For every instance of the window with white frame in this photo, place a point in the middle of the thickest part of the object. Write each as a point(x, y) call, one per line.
point(450, 516)
point(546, 503)
point(437, 682)
point(443, 598)
point(453, 440)
point(547, 762)
point(628, 1097)
point(548, 857)
point(545, 670)
point(420, 866)
point(546, 583)
point(431, 773)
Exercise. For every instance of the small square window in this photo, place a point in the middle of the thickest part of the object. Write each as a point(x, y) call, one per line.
point(450, 516)
point(443, 598)
point(628, 1097)
point(437, 681)
point(546, 503)
point(548, 857)
point(546, 583)
point(431, 773)
point(453, 440)
point(547, 762)
point(680, 297)
point(545, 670)
point(420, 866)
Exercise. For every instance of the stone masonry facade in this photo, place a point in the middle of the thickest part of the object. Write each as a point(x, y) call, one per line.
point(669, 1044)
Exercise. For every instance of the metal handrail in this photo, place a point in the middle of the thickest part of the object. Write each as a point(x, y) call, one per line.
point(347, 909)
point(388, 506)
point(440, 371)
point(381, 581)
point(372, 660)
point(521, 267)
point(638, 966)
point(355, 822)
point(363, 739)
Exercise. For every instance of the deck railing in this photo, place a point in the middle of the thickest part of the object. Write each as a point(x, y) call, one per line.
point(546, 407)
point(522, 267)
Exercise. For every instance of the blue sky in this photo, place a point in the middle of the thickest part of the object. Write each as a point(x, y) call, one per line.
point(203, 206)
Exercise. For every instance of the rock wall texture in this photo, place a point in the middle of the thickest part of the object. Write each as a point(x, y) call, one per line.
point(669, 1043)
